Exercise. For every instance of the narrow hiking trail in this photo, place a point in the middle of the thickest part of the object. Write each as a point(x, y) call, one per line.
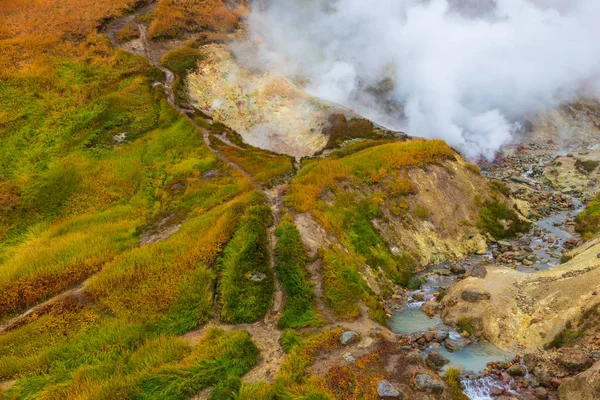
point(265, 333)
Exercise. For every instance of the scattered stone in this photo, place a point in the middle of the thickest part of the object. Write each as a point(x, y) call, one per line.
point(575, 360)
point(257, 277)
point(211, 173)
point(503, 243)
point(419, 296)
point(429, 384)
point(430, 308)
point(437, 359)
point(120, 137)
point(349, 357)
point(496, 391)
point(474, 295)
point(451, 345)
point(517, 370)
point(457, 269)
point(348, 337)
point(415, 357)
point(479, 271)
point(440, 336)
point(541, 393)
point(386, 390)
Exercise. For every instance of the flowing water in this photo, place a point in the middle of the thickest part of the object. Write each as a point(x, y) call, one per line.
point(474, 356)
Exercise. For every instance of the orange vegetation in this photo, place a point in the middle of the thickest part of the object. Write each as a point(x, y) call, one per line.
point(174, 17)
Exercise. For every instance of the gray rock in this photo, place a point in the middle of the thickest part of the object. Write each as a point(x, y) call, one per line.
point(532, 258)
point(451, 345)
point(575, 361)
point(440, 336)
point(457, 269)
point(479, 271)
point(348, 337)
point(211, 173)
point(437, 359)
point(474, 295)
point(541, 393)
point(419, 296)
point(257, 277)
point(503, 243)
point(429, 384)
point(387, 390)
point(415, 357)
point(517, 370)
point(349, 357)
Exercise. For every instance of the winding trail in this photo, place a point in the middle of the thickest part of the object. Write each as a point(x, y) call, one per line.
point(264, 333)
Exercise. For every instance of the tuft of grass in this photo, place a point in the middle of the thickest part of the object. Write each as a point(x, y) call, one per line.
point(465, 324)
point(246, 285)
point(181, 59)
point(588, 221)
point(299, 308)
point(289, 339)
point(500, 221)
point(421, 212)
point(342, 285)
point(128, 32)
point(567, 336)
point(452, 378)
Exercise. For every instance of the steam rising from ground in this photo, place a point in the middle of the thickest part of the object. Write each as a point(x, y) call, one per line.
point(462, 70)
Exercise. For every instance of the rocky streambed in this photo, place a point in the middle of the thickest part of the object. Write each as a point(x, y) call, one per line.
point(487, 371)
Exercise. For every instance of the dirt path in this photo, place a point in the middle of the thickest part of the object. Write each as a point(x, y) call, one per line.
point(265, 333)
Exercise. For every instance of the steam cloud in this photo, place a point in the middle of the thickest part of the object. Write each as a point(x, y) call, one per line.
point(462, 70)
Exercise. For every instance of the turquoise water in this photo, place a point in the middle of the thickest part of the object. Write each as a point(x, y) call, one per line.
point(412, 319)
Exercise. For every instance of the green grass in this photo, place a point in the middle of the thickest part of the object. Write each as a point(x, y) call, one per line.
point(299, 308)
point(181, 59)
point(588, 221)
point(342, 285)
point(265, 167)
point(245, 256)
point(117, 361)
point(500, 221)
point(567, 336)
point(452, 378)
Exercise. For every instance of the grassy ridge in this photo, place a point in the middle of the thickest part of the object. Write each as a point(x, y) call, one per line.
point(246, 284)
point(588, 221)
point(299, 309)
point(265, 167)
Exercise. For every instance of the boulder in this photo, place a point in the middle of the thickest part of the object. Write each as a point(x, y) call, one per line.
point(451, 345)
point(575, 360)
point(385, 390)
point(348, 337)
point(541, 393)
point(437, 359)
point(517, 370)
point(419, 296)
point(474, 295)
point(429, 384)
point(479, 271)
point(415, 357)
point(457, 269)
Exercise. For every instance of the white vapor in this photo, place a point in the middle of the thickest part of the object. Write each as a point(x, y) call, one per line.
point(461, 70)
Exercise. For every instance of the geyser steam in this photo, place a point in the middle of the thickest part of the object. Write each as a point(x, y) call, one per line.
point(461, 70)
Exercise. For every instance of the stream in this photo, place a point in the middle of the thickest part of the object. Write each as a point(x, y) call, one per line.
point(546, 239)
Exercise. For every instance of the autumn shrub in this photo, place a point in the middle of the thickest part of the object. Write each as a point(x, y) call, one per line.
point(175, 17)
point(128, 32)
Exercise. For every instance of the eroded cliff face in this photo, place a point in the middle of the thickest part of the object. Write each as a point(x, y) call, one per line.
point(445, 209)
point(524, 312)
point(268, 111)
